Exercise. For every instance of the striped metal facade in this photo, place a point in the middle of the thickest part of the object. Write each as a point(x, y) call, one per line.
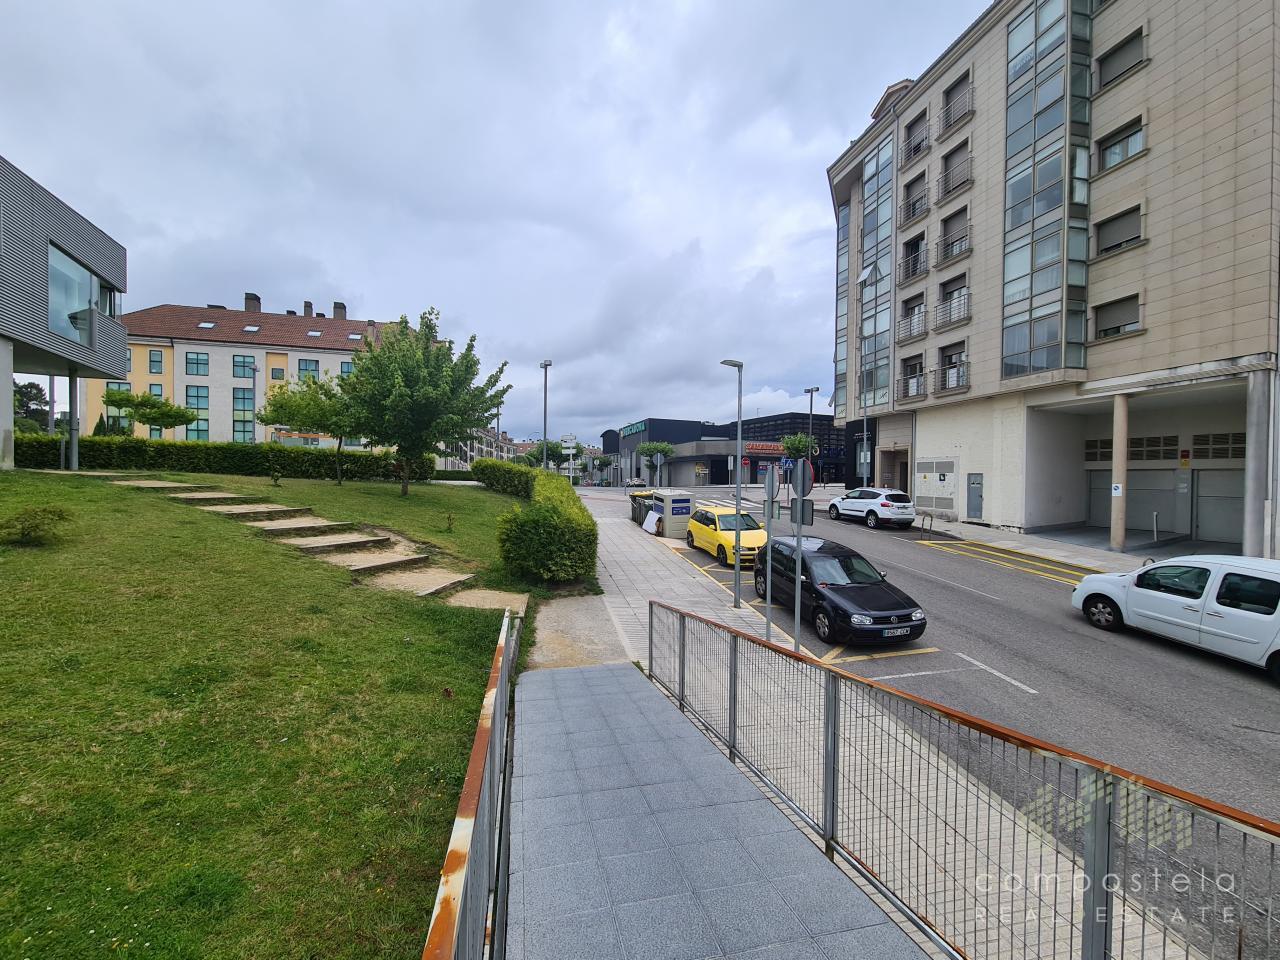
point(30, 219)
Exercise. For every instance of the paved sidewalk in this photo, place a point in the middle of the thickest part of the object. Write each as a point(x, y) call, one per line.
point(634, 837)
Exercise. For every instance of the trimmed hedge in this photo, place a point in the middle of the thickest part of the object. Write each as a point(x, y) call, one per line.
point(192, 456)
point(554, 537)
point(453, 475)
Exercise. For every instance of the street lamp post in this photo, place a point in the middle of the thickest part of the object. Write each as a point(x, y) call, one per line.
point(545, 365)
point(811, 391)
point(737, 495)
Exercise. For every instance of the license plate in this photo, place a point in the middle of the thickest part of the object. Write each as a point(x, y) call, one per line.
point(897, 632)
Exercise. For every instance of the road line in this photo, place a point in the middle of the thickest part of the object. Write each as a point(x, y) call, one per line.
point(1000, 563)
point(930, 576)
point(996, 673)
point(1060, 566)
point(924, 673)
point(881, 656)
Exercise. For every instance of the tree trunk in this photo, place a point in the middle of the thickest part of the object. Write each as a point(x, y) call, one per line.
point(404, 477)
point(337, 457)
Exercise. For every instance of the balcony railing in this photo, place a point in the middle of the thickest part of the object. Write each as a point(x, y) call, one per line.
point(957, 108)
point(914, 386)
point(952, 378)
point(953, 245)
point(951, 312)
point(955, 177)
point(913, 265)
point(913, 208)
point(912, 325)
point(914, 147)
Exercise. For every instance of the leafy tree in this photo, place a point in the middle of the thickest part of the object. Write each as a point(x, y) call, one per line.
point(147, 409)
point(650, 449)
point(556, 454)
point(311, 405)
point(602, 465)
point(799, 446)
point(104, 429)
point(30, 401)
point(410, 391)
point(26, 425)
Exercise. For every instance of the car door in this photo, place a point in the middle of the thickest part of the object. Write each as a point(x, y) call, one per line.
point(1240, 614)
point(697, 527)
point(845, 503)
point(784, 572)
point(857, 504)
point(1168, 599)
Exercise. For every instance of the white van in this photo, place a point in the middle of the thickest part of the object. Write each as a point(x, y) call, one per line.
point(1224, 604)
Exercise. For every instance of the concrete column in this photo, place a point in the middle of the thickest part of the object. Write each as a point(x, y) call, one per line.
point(73, 417)
point(6, 404)
point(1119, 467)
point(1257, 434)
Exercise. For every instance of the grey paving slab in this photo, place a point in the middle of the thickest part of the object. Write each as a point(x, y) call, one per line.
point(659, 847)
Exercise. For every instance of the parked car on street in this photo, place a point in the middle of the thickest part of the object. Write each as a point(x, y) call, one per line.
point(1226, 605)
point(633, 482)
point(874, 506)
point(712, 528)
point(841, 592)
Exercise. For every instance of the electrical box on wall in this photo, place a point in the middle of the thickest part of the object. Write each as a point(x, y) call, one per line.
point(936, 487)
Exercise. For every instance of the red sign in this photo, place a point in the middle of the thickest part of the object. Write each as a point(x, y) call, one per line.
point(760, 446)
point(746, 461)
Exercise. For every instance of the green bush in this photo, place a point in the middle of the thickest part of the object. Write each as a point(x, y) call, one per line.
point(554, 537)
point(454, 475)
point(33, 525)
point(243, 459)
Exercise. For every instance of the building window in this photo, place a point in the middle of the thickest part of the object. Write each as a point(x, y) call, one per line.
point(1120, 59)
point(242, 415)
point(1097, 451)
point(311, 441)
point(198, 403)
point(347, 367)
point(875, 278)
point(115, 418)
point(308, 368)
point(1218, 446)
point(157, 390)
point(197, 364)
point(157, 433)
point(1115, 318)
point(1120, 231)
point(277, 373)
point(74, 294)
point(1153, 448)
point(242, 366)
point(156, 363)
point(1121, 145)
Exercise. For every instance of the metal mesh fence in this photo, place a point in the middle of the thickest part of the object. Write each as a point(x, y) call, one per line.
point(999, 845)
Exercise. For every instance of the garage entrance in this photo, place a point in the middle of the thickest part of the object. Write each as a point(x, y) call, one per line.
point(1219, 505)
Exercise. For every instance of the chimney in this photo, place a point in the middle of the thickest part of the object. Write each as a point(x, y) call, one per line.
point(320, 314)
point(339, 310)
point(306, 308)
point(252, 302)
point(291, 313)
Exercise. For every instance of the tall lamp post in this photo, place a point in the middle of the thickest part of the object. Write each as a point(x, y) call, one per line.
point(737, 495)
point(545, 365)
point(811, 391)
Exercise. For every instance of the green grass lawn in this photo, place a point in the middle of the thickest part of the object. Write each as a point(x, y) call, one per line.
point(214, 746)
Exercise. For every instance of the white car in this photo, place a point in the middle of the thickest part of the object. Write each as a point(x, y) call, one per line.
point(874, 506)
point(633, 482)
point(1224, 604)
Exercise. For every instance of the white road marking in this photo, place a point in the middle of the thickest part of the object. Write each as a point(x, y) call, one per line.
point(996, 673)
point(923, 673)
point(930, 576)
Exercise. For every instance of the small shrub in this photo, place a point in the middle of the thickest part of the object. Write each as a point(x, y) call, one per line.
point(454, 475)
point(33, 525)
point(553, 538)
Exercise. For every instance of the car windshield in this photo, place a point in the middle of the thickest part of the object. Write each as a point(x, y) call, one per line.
point(840, 571)
point(729, 521)
point(897, 498)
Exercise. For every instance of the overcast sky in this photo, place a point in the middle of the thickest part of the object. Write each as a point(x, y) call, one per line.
point(632, 190)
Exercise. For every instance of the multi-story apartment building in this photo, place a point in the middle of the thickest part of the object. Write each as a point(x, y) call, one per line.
point(483, 443)
point(221, 363)
point(1058, 267)
point(61, 280)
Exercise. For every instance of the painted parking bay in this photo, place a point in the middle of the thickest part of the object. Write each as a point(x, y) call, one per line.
point(1044, 567)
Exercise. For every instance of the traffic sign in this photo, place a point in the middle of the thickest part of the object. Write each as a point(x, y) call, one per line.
point(659, 459)
point(802, 478)
point(786, 463)
point(805, 508)
point(771, 482)
point(746, 461)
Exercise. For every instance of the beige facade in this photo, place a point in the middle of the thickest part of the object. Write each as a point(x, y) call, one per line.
point(1132, 309)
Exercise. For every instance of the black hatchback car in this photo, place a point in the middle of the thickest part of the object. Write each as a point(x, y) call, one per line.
point(842, 593)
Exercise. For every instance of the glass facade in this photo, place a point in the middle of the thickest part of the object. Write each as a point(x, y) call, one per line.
point(242, 415)
point(841, 356)
point(74, 293)
point(875, 276)
point(1046, 189)
point(198, 403)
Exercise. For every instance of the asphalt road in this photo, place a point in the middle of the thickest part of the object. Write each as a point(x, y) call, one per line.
point(1004, 644)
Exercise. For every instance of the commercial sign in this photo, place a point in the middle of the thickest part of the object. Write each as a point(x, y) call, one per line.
point(760, 446)
point(638, 427)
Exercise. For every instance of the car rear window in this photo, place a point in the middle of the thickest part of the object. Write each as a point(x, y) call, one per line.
point(897, 498)
point(1254, 594)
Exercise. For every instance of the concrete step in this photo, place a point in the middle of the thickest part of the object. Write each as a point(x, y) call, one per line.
point(377, 561)
point(211, 497)
point(299, 526)
point(98, 474)
point(257, 511)
point(167, 486)
point(423, 581)
point(350, 540)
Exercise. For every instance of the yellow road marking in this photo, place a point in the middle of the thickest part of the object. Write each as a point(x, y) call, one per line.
point(1060, 566)
point(880, 656)
point(999, 563)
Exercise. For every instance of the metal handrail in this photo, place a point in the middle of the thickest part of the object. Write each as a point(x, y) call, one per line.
point(953, 245)
point(949, 381)
point(955, 177)
point(912, 208)
point(957, 108)
point(469, 919)
point(914, 386)
point(951, 311)
point(912, 325)
point(913, 265)
point(915, 146)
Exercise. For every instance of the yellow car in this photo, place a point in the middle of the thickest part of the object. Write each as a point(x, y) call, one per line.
point(712, 529)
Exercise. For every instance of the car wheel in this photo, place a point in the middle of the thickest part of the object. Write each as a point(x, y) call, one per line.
point(1102, 612)
point(835, 512)
point(760, 585)
point(822, 624)
point(871, 520)
point(1273, 667)
point(688, 538)
point(722, 556)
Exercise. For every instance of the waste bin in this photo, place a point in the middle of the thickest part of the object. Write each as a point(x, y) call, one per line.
point(641, 504)
point(674, 508)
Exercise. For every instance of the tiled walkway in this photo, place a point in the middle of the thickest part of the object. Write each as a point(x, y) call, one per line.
point(634, 837)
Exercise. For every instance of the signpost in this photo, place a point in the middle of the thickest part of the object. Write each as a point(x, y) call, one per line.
point(770, 496)
point(658, 461)
point(802, 484)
